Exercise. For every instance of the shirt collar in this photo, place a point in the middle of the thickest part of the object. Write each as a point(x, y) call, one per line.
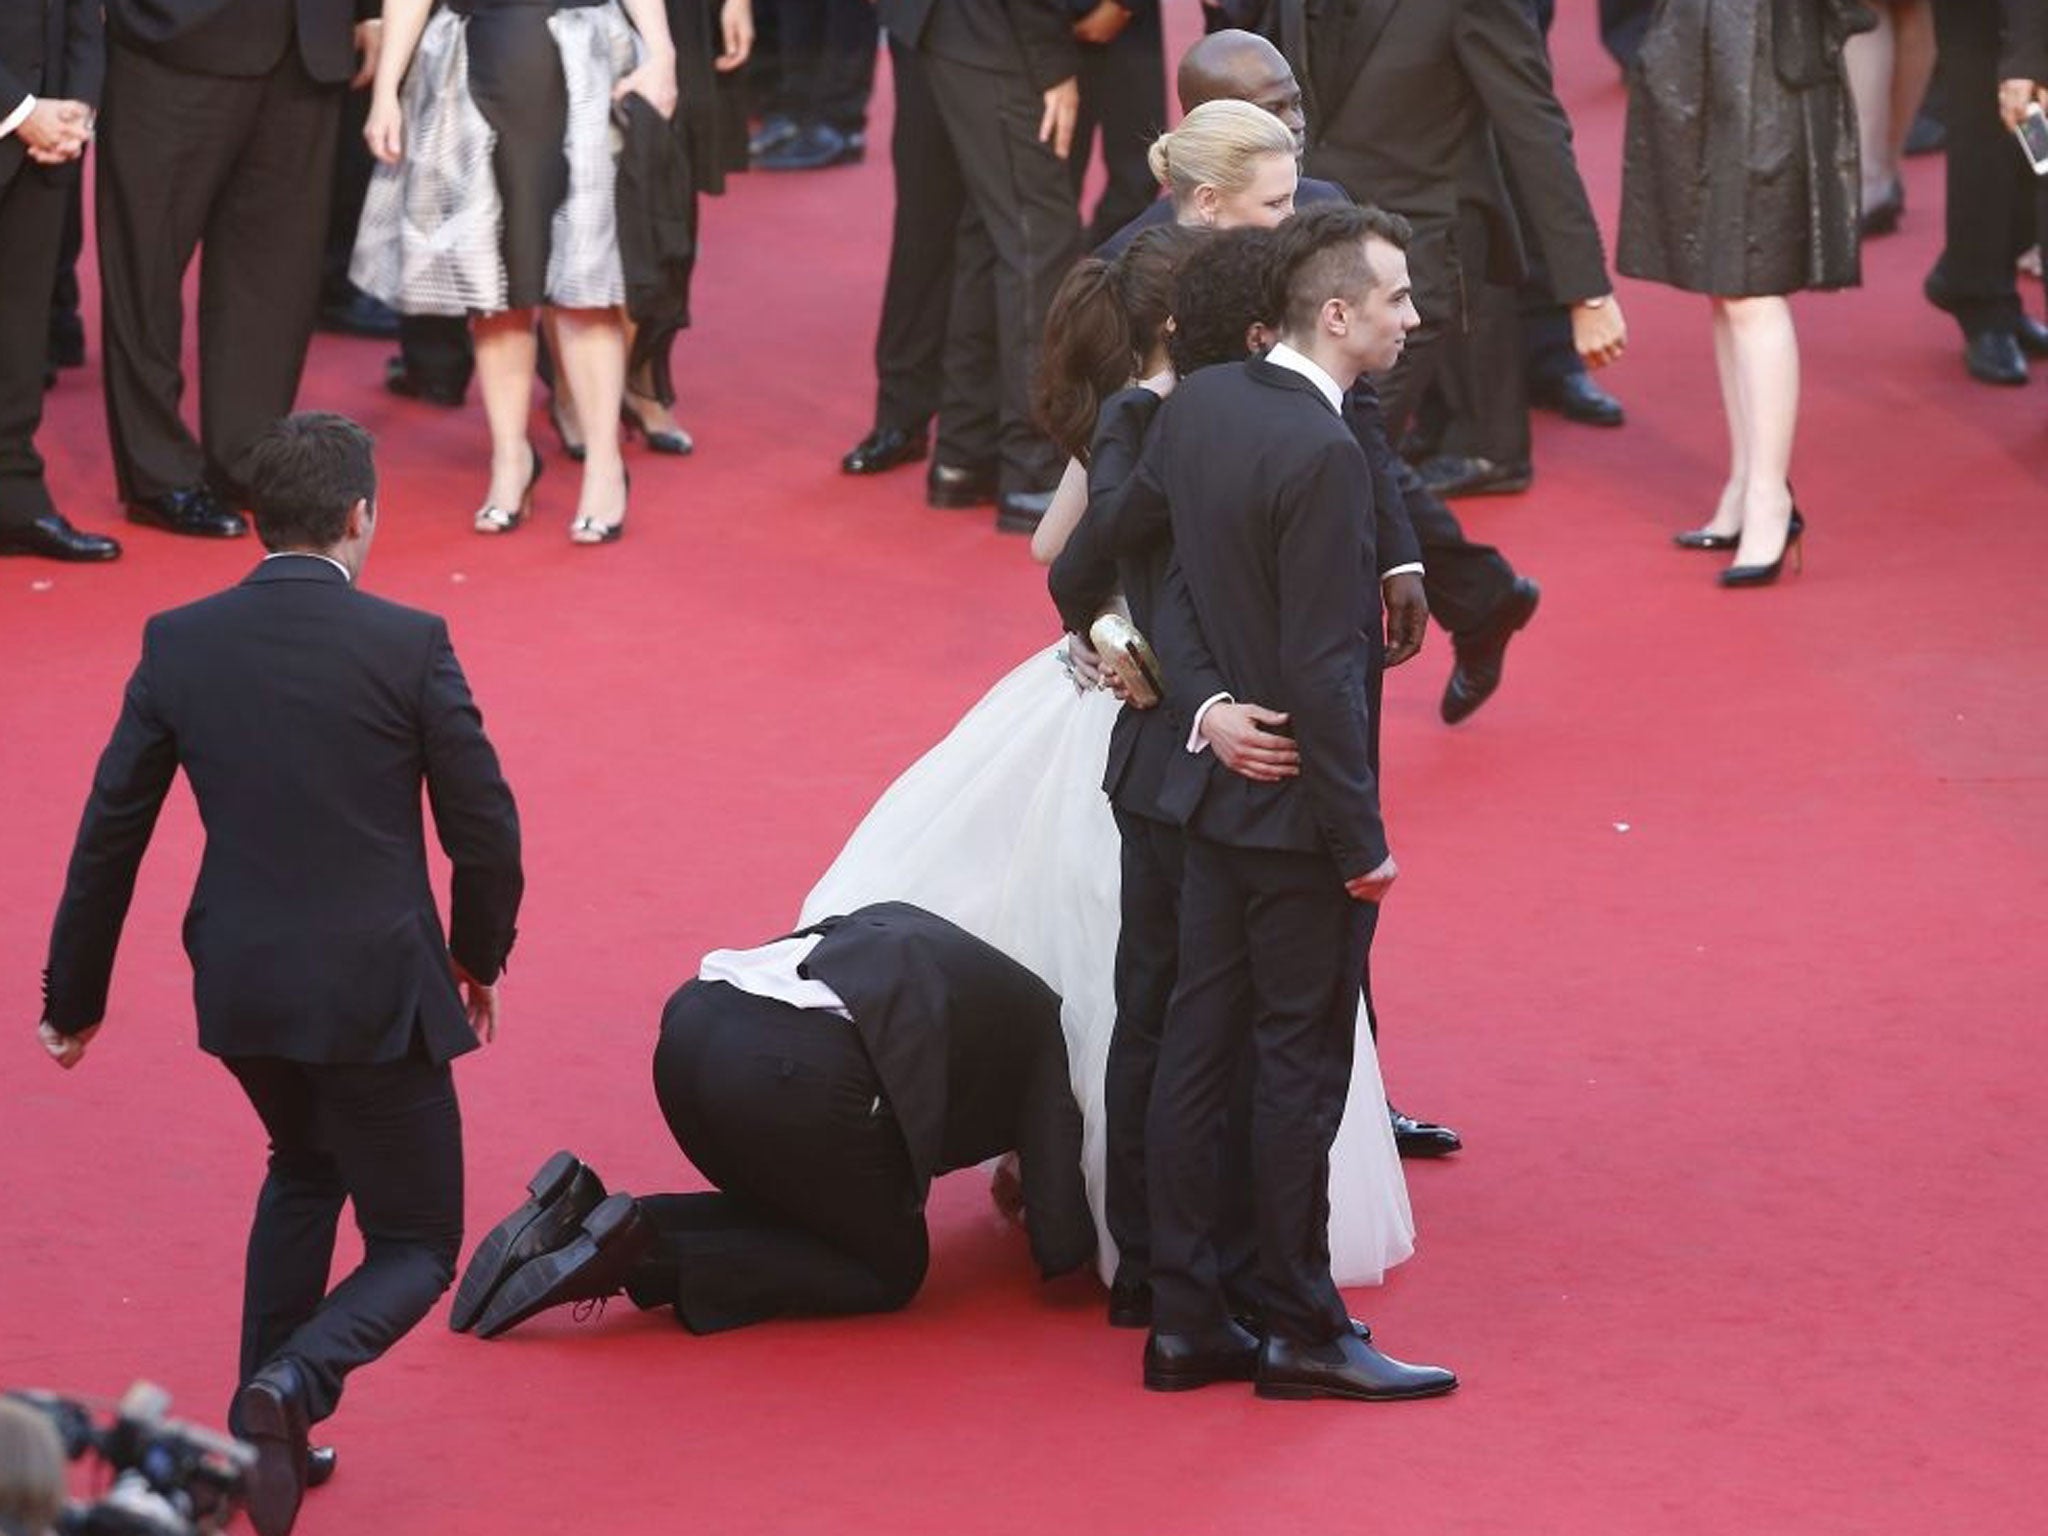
point(308, 554)
point(1284, 356)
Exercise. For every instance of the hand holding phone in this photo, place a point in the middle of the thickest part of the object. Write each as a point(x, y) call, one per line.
point(2032, 132)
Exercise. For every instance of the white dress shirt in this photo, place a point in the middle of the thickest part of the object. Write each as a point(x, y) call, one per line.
point(774, 971)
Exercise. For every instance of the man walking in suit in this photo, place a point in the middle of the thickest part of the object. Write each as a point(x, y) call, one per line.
point(52, 54)
point(306, 715)
point(820, 1081)
point(1271, 501)
point(220, 128)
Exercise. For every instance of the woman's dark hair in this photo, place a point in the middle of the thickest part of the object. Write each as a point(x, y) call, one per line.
point(304, 474)
point(1102, 322)
point(1219, 292)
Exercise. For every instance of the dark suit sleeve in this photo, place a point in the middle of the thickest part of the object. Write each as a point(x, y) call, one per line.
point(1503, 56)
point(85, 51)
point(1393, 535)
point(474, 816)
point(1044, 32)
point(1049, 1159)
point(1084, 577)
point(12, 92)
point(1317, 563)
point(128, 790)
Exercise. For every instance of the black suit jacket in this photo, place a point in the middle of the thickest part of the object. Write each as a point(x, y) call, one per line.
point(1271, 502)
point(1034, 35)
point(1410, 105)
point(968, 1047)
point(307, 715)
point(1122, 544)
point(2024, 55)
point(48, 48)
point(243, 37)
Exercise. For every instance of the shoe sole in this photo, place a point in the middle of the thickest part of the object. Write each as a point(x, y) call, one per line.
point(1291, 1392)
point(958, 501)
point(529, 1290)
point(487, 1265)
point(276, 1485)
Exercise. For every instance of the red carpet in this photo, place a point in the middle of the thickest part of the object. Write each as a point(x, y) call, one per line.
point(1718, 939)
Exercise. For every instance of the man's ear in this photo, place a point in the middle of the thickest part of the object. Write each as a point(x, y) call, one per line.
point(1336, 317)
point(360, 516)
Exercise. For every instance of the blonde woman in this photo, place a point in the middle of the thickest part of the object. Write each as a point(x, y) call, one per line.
point(1228, 164)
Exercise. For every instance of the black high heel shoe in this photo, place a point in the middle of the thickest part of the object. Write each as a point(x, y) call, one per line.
point(496, 519)
point(677, 443)
point(588, 530)
point(1764, 575)
point(571, 451)
point(1702, 538)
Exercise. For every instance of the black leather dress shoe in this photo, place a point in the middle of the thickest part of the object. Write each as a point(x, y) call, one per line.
point(954, 486)
point(593, 1264)
point(1464, 475)
point(321, 1461)
point(1181, 1362)
point(560, 1196)
point(1256, 1326)
point(884, 449)
point(1993, 357)
point(270, 1413)
point(1130, 1304)
point(2032, 336)
point(49, 535)
point(360, 315)
point(1022, 511)
point(407, 385)
point(195, 512)
point(1481, 656)
point(1575, 397)
point(1346, 1367)
point(1421, 1138)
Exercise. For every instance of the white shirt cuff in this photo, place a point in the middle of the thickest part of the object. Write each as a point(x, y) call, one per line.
point(17, 117)
point(1195, 743)
point(1412, 567)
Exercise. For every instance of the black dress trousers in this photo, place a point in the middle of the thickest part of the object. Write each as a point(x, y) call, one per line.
point(1989, 214)
point(32, 204)
point(1271, 952)
point(817, 1211)
point(387, 1138)
point(918, 374)
point(239, 163)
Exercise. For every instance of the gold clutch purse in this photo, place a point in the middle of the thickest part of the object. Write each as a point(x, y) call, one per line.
point(1127, 653)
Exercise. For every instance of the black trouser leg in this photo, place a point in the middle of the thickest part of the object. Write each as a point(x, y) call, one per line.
point(910, 341)
point(1026, 203)
point(259, 274)
point(168, 142)
point(31, 233)
point(386, 1137)
point(846, 66)
point(1482, 382)
point(1123, 96)
point(1463, 581)
point(1147, 957)
point(971, 379)
point(1271, 951)
point(780, 1108)
point(1989, 216)
point(438, 349)
point(346, 191)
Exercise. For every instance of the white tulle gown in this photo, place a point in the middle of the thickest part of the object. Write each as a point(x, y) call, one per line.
point(1003, 829)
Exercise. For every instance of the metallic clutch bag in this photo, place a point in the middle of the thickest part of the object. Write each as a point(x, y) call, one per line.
point(1127, 653)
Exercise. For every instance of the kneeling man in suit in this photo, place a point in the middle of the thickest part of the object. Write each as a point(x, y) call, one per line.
point(820, 1081)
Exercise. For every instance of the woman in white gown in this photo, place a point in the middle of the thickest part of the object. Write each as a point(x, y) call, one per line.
point(1003, 828)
